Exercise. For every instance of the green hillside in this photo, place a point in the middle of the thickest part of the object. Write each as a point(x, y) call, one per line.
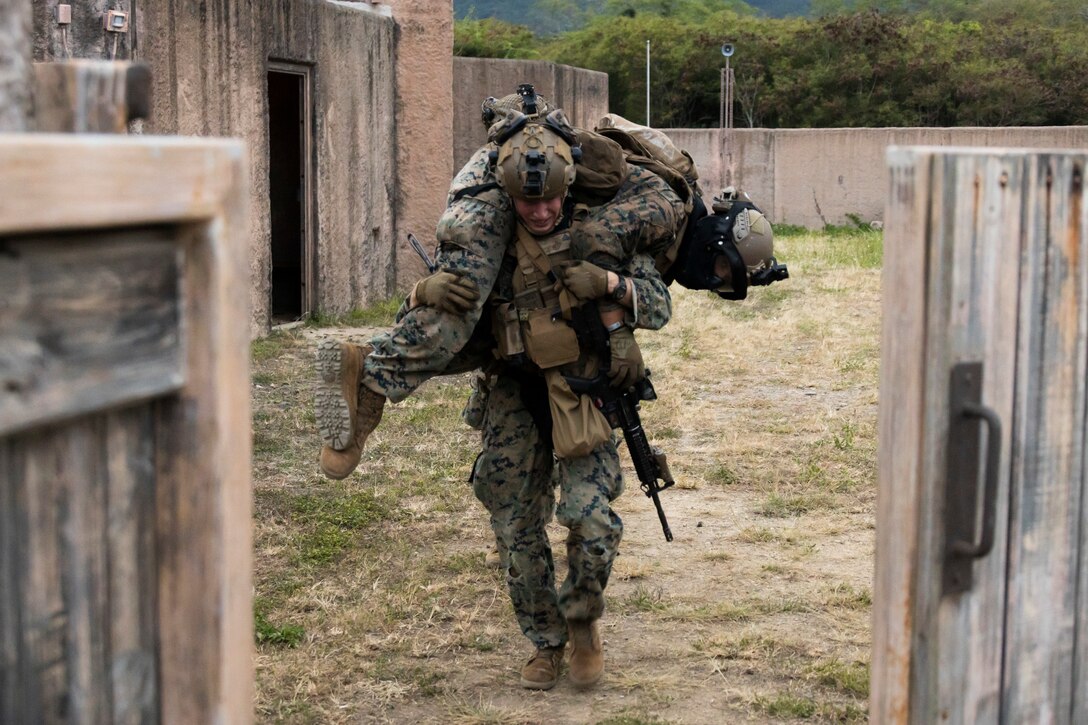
point(552, 16)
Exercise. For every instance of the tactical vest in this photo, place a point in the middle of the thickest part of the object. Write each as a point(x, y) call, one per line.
point(535, 323)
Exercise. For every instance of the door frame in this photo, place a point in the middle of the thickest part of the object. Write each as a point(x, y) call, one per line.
point(309, 203)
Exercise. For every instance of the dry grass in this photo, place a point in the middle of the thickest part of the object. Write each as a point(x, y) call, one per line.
point(374, 603)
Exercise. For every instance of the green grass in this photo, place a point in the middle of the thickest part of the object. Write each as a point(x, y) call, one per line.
point(264, 632)
point(381, 314)
point(849, 677)
point(787, 706)
point(778, 506)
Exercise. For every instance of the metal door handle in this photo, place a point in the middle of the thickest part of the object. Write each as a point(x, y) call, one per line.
point(966, 415)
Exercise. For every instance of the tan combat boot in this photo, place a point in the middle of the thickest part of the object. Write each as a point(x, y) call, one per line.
point(586, 652)
point(344, 407)
point(541, 672)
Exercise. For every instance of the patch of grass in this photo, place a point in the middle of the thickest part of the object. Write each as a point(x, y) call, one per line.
point(844, 439)
point(264, 632)
point(844, 596)
point(326, 524)
point(707, 613)
point(269, 348)
point(645, 599)
point(849, 677)
point(723, 475)
point(789, 230)
point(686, 351)
point(381, 314)
point(786, 705)
point(779, 506)
point(757, 536)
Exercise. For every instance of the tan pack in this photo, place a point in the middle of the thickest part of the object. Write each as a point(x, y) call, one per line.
point(578, 426)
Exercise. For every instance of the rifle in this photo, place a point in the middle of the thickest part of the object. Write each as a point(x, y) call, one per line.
point(432, 267)
point(620, 408)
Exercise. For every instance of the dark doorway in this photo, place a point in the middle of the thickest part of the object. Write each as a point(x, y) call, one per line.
point(289, 191)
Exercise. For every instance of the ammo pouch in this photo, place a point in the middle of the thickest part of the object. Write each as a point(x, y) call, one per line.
point(549, 342)
point(506, 324)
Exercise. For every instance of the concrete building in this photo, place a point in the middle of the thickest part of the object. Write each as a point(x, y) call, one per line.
point(311, 86)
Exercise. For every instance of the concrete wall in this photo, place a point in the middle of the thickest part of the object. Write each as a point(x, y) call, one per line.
point(15, 29)
point(581, 93)
point(209, 63)
point(424, 127)
point(814, 177)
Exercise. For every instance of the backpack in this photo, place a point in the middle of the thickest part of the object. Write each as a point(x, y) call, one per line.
point(655, 151)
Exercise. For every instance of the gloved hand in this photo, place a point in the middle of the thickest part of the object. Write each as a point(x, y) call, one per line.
point(451, 292)
point(585, 280)
point(627, 366)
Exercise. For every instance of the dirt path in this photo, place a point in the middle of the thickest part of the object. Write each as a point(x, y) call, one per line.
point(757, 612)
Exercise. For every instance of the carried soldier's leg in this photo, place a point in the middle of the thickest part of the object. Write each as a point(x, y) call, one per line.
point(424, 343)
point(588, 485)
point(512, 478)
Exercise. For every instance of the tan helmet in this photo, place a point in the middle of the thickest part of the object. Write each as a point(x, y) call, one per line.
point(754, 239)
point(493, 109)
point(535, 160)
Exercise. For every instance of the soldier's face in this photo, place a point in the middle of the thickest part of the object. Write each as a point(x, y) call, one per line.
point(540, 215)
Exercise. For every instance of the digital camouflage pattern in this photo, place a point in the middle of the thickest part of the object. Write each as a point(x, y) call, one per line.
point(643, 217)
point(473, 234)
point(513, 479)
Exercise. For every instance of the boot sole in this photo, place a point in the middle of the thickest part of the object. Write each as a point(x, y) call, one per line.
point(531, 685)
point(585, 683)
point(330, 408)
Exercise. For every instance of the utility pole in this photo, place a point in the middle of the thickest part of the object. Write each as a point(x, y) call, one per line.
point(647, 83)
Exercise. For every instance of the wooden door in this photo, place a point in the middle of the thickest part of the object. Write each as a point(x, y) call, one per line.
point(985, 287)
point(125, 582)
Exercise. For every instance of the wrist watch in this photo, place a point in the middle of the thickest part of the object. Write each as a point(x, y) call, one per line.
point(620, 290)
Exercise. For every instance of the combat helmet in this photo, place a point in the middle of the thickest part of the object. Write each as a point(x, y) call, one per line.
point(493, 109)
point(535, 157)
point(737, 234)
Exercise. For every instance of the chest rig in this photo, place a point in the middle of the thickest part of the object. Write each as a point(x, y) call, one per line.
point(535, 324)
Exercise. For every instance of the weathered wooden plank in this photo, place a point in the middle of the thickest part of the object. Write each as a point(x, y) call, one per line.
point(11, 627)
point(81, 475)
point(204, 503)
point(119, 181)
point(87, 326)
point(903, 349)
point(15, 66)
point(129, 443)
point(33, 480)
point(978, 311)
point(1048, 470)
point(90, 96)
point(950, 297)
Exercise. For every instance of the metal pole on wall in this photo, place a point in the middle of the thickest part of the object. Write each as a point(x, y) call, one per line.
point(725, 120)
point(721, 102)
point(647, 82)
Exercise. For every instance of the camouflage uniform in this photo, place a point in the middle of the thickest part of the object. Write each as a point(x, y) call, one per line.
point(513, 476)
point(473, 234)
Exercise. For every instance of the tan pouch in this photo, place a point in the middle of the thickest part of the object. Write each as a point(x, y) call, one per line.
point(549, 342)
point(577, 426)
point(507, 328)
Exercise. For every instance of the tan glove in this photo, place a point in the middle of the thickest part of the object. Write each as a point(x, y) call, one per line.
point(585, 280)
point(451, 292)
point(627, 367)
